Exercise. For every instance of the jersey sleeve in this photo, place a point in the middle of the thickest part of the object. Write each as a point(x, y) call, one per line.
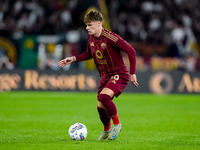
point(124, 46)
point(84, 56)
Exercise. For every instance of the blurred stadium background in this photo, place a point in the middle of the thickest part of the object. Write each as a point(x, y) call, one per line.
point(36, 34)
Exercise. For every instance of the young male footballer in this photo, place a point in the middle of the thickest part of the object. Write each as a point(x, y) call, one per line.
point(105, 48)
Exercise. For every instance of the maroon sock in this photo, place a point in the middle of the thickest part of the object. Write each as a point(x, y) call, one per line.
point(107, 126)
point(105, 118)
point(108, 104)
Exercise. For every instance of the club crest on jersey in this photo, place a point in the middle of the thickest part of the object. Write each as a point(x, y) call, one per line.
point(103, 45)
point(92, 44)
point(99, 54)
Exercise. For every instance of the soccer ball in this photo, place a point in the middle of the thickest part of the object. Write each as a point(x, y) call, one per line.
point(78, 131)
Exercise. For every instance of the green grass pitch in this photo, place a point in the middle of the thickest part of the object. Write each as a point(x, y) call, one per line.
point(40, 120)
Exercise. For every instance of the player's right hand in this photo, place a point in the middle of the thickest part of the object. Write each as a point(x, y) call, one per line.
point(65, 61)
point(134, 80)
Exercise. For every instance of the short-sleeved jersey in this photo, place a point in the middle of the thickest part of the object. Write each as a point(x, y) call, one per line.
point(106, 51)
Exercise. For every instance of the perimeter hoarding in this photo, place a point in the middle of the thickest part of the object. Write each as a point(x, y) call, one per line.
point(150, 82)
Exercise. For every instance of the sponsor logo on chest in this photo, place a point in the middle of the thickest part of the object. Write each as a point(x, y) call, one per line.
point(99, 53)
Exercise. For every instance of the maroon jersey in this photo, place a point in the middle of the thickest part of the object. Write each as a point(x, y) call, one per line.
point(106, 51)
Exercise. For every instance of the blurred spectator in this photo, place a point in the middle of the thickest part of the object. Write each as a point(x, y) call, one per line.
point(4, 60)
point(148, 21)
point(173, 25)
point(164, 22)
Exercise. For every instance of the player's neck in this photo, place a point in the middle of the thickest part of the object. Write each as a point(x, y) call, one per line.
point(99, 32)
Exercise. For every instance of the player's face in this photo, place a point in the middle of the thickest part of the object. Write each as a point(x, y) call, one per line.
point(93, 27)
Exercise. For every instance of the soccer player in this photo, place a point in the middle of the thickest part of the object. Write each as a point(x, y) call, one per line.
point(105, 48)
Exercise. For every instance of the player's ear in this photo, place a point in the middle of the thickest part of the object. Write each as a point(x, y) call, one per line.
point(99, 23)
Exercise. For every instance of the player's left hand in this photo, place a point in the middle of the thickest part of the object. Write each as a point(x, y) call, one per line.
point(134, 80)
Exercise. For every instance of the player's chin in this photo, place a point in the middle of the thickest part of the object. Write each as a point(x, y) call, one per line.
point(91, 33)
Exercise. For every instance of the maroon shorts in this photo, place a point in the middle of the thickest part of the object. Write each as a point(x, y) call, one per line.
point(116, 83)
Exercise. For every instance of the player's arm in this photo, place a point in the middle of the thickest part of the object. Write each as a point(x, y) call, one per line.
point(84, 56)
point(124, 46)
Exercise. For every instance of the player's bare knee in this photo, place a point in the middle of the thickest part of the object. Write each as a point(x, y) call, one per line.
point(100, 105)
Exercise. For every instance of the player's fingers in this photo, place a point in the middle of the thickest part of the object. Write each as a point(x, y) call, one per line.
point(61, 64)
point(135, 83)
